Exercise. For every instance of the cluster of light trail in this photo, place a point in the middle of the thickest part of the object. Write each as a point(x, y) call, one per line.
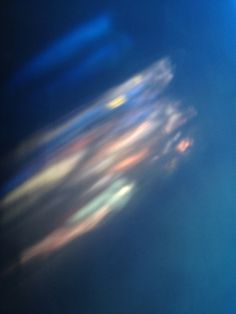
point(91, 165)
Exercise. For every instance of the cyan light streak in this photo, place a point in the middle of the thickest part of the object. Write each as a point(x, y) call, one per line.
point(109, 197)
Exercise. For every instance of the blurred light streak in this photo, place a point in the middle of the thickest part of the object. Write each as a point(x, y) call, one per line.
point(131, 161)
point(62, 236)
point(100, 183)
point(130, 137)
point(117, 102)
point(109, 196)
point(48, 176)
point(184, 145)
point(79, 225)
point(132, 89)
point(173, 122)
point(92, 162)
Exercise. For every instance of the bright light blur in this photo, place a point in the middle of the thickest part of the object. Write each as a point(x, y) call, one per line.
point(91, 165)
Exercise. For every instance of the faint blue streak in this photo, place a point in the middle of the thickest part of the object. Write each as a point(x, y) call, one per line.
point(63, 49)
point(111, 52)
